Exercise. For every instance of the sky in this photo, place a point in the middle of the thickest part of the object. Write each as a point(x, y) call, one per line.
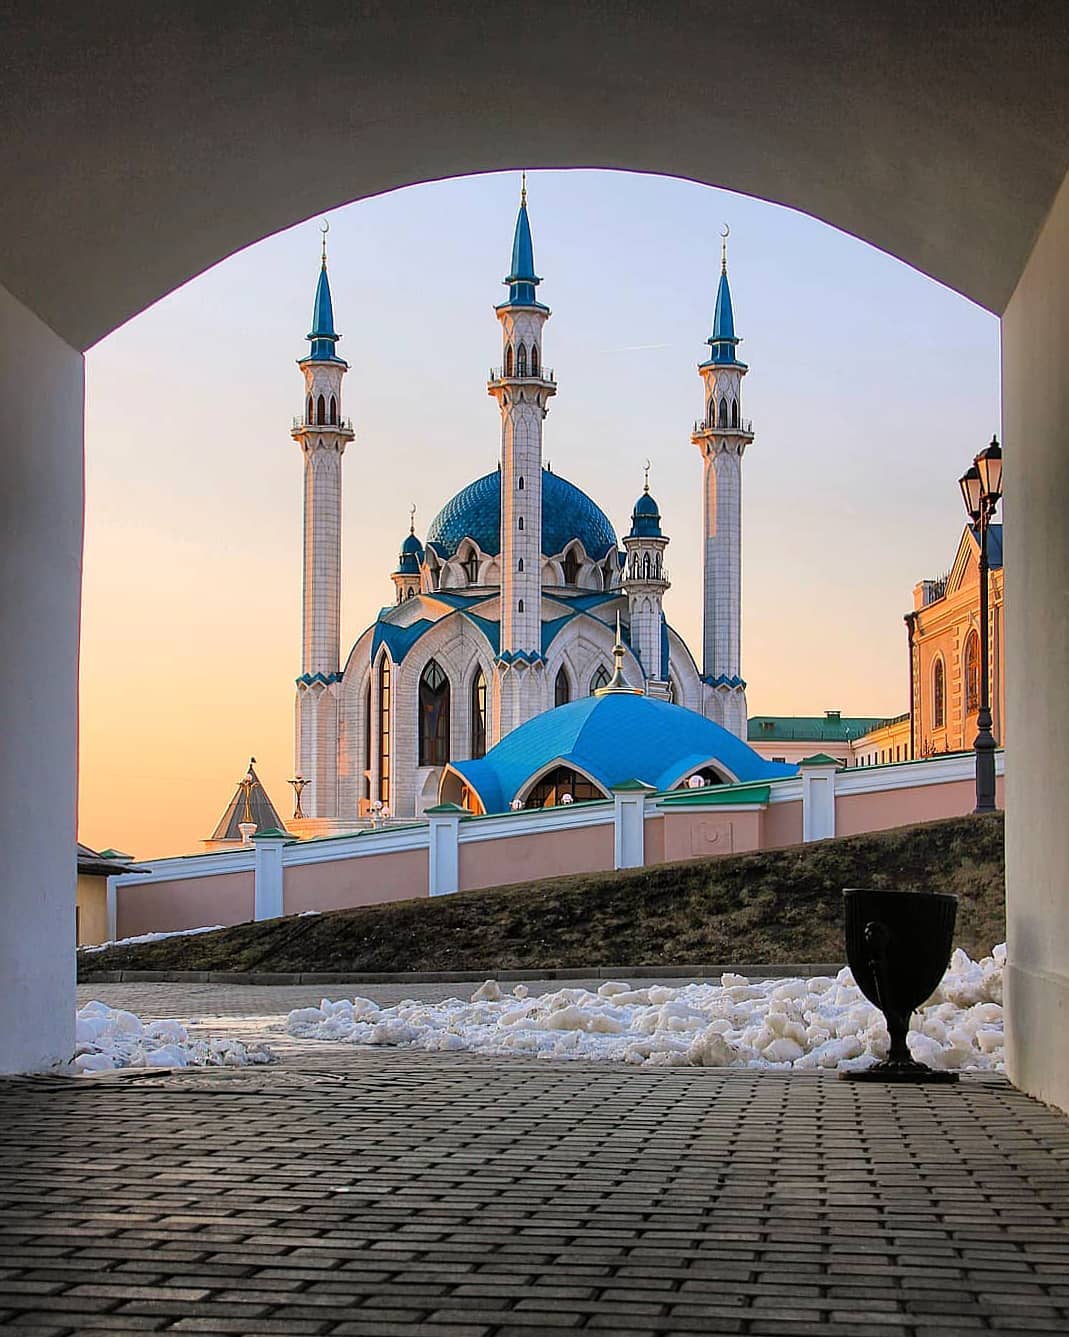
point(871, 388)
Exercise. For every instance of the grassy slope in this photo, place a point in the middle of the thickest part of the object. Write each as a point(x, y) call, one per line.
point(777, 906)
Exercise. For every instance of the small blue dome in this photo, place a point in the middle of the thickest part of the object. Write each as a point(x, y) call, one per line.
point(646, 519)
point(613, 739)
point(567, 514)
point(411, 556)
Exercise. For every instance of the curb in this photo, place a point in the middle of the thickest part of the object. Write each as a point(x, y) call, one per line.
point(686, 972)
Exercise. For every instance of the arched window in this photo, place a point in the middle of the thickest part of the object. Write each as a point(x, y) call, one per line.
point(599, 680)
point(734, 413)
point(519, 606)
point(521, 360)
point(570, 567)
point(384, 729)
point(311, 411)
point(534, 359)
point(645, 566)
point(433, 716)
point(520, 523)
point(478, 714)
point(519, 485)
point(710, 419)
point(365, 785)
point(657, 567)
point(519, 565)
point(471, 568)
point(321, 411)
point(939, 689)
point(562, 689)
point(971, 660)
point(723, 412)
point(333, 409)
point(561, 781)
point(508, 359)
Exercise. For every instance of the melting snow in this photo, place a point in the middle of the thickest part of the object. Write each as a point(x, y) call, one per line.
point(797, 1024)
point(152, 937)
point(108, 1038)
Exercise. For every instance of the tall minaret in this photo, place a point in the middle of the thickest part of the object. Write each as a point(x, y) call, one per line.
point(722, 436)
point(522, 387)
point(645, 583)
point(322, 434)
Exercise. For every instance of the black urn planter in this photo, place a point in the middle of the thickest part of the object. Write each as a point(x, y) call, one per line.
point(898, 945)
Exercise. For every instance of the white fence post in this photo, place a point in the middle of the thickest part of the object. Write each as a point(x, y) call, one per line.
point(267, 897)
point(818, 796)
point(443, 854)
point(629, 823)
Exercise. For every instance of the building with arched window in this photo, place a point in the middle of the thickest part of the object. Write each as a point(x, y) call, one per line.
point(508, 608)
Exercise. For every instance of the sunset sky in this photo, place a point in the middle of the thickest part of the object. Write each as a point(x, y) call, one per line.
point(870, 388)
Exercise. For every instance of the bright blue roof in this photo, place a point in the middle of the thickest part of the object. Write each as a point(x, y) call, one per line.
point(567, 514)
point(411, 556)
point(323, 336)
point(723, 340)
point(521, 276)
point(646, 519)
point(613, 738)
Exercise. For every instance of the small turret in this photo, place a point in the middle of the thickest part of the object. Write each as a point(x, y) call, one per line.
point(407, 578)
point(645, 583)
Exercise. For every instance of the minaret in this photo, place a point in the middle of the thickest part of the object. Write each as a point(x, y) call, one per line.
point(407, 578)
point(522, 387)
point(645, 583)
point(322, 434)
point(722, 437)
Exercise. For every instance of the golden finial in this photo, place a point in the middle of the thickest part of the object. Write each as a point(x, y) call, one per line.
point(523, 190)
point(724, 249)
point(646, 488)
point(325, 229)
point(412, 518)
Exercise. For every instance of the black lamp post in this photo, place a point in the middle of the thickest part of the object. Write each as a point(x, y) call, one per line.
point(981, 488)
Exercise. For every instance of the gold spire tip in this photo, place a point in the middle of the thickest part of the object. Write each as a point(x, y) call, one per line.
point(412, 518)
point(724, 249)
point(646, 486)
point(325, 229)
point(523, 189)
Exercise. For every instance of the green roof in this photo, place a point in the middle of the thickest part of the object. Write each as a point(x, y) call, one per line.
point(715, 795)
point(827, 728)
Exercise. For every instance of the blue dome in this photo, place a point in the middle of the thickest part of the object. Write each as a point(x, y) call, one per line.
point(567, 514)
point(646, 519)
point(411, 556)
point(613, 739)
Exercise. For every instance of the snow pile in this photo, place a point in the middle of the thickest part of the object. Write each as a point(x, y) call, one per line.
point(108, 1038)
point(780, 1024)
point(152, 937)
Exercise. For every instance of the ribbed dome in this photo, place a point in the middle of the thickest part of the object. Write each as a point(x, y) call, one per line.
point(411, 556)
point(646, 518)
point(567, 514)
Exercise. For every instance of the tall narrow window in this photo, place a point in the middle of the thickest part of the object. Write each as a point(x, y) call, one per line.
point(384, 729)
point(734, 413)
point(519, 606)
point(562, 689)
point(508, 359)
point(321, 411)
point(723, 412)
point(471, 569)
point(520, 523)
point(478, 714)
point(711, 419)
point(519, 485)
point(311, 411)
point(433, 716)
point(365, 788)
point(521, 360)
point(519, 565)
point(534, 359)
point(645, 566)
point(971, 660)
point(333, 410)
point(600, 679)
point(939, 695)
point(570, 566)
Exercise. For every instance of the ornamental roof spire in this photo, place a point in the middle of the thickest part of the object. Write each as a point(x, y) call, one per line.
point(522, 279)
point(723, 339)
point(618, 683)
point(323, 335)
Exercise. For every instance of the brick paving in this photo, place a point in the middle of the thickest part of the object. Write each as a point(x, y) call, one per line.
point(347, 1192)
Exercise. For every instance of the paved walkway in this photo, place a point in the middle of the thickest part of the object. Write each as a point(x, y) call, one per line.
point(348, 1192)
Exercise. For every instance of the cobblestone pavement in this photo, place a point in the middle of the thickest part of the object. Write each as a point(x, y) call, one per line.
point(345, 1192)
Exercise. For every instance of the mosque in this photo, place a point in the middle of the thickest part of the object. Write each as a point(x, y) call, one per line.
point(514, 607)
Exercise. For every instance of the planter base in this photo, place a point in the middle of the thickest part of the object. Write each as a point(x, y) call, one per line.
point(899, 1072)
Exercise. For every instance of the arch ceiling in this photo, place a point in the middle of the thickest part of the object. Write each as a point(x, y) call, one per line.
point(136, 153)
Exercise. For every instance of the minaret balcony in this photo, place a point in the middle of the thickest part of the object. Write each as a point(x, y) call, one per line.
point(543, 377)
point(344, 425)
point(707, 425)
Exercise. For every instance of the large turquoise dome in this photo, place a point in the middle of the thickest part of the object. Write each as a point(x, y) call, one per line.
point(567, 514)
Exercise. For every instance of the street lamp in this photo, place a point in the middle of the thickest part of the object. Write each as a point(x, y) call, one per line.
point(981, 488)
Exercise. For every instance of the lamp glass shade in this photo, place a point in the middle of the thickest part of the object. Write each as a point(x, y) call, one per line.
point(989, 466)
point(971, 488)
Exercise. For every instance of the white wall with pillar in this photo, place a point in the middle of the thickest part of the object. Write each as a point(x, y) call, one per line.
point(443, 854)
point(1035, 396)
point(818, 796)
point(629, 824)
point(42, 390)
point(267, 897)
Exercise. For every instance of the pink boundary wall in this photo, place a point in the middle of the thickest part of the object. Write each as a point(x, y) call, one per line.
point(488, 855)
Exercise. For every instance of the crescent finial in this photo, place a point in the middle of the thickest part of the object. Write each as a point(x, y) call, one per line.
point(646, 466)
point(724, 249)
point(325, 229)
point(412, 518)
point(726, 232)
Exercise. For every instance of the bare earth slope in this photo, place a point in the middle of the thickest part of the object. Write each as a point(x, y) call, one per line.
point(774, 907)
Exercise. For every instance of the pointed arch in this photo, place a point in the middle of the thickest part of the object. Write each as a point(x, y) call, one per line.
point(508, 359)
point(600, 679)
point(562, 688)
point(519, 565)
point(519, 485)
point(723, 418)
point(470, 565)
point(551, 787)
point(519, 606)
point(520, 523)
point(734, 411)
point(310, 415)
point(534, 359)
point(570, 567)
point(333, 410)
point(478, 713)
point(433, 715)
point(970, 660)
point(939, 689)
point(521, 360)
point(365, 779)
point(321, 411)
point(384, 728)
point(645, 566)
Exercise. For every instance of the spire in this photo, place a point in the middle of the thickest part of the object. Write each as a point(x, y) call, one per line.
point(522, 279)
point(618, 683)
point(722, 340)
point(323, 336)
